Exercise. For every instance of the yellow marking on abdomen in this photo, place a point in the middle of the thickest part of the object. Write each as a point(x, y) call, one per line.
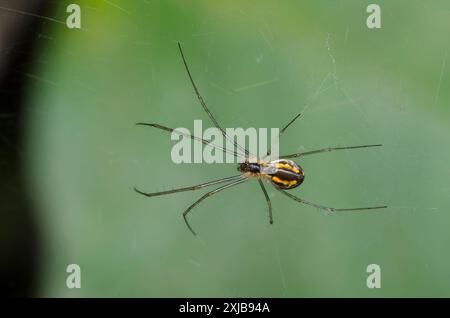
point(285, 182)
point(286, 166)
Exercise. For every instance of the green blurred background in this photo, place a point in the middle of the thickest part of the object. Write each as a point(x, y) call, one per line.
point(257, 63)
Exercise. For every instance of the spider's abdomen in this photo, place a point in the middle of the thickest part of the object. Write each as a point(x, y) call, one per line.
point(286, 174)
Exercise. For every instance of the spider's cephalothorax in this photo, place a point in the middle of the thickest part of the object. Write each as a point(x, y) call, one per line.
point(284, 174)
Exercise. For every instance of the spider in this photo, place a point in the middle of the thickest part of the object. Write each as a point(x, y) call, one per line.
point(284, 174)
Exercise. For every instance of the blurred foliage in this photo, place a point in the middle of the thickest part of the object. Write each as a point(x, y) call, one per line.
point(257, 63)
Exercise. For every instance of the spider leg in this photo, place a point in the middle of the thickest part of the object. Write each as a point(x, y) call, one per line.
point(283, 130)
point(170, 130)
point(206, 195)
point(300, 154)
point(329, 209)
point(205, 107)
point(269, 204)
point(191, 188)
point(290, 123)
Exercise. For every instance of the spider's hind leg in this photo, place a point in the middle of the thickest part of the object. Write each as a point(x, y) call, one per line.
point(329, 209)
point(269, 204)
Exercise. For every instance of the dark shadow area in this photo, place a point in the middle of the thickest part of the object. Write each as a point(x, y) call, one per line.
point(20, 247)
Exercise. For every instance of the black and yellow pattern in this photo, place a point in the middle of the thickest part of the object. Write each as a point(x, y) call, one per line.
point(287, 174)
